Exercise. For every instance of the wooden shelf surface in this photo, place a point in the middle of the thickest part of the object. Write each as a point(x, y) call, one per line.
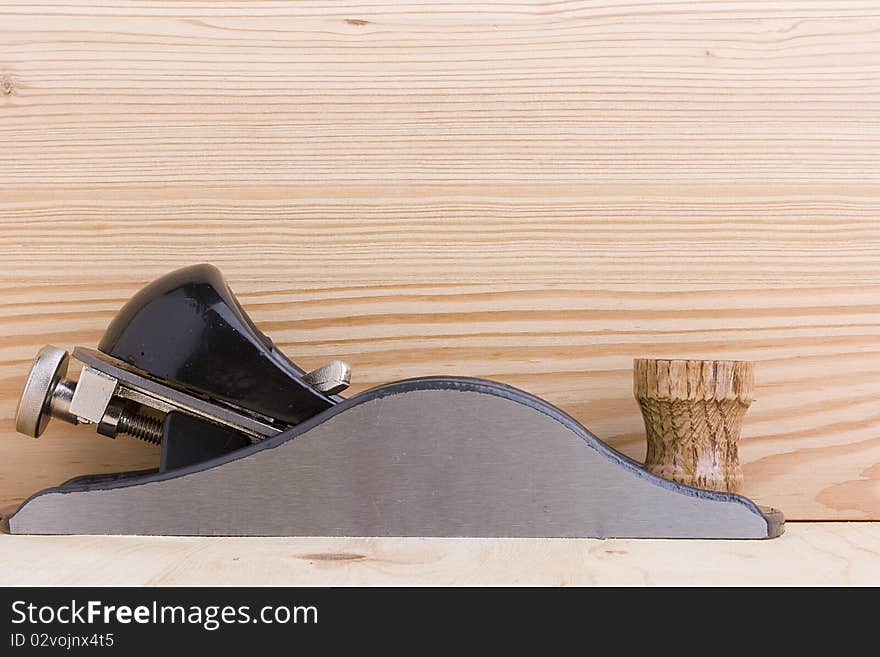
point(807, 554)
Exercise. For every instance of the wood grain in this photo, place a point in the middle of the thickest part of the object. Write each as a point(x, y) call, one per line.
point(536, 192)
point(822, 554)
point(693, 412)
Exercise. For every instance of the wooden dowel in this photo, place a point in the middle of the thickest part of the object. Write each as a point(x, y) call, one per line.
point(693, 412)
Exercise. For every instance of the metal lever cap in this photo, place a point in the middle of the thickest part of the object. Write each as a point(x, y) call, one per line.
point(332, 378)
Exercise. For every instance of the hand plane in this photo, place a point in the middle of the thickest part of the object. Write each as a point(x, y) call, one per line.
point(253, 445)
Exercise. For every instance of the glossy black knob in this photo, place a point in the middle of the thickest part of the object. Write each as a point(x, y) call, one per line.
point(188, 330)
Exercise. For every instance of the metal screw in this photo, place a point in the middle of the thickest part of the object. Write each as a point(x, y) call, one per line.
point(119, 419)
point(47, 393)
point(141, 426)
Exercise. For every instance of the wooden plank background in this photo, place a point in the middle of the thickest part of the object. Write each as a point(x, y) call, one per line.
point(535, 192)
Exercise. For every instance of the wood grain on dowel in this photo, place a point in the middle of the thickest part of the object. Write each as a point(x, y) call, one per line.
point(693, 412)
point(533, 192)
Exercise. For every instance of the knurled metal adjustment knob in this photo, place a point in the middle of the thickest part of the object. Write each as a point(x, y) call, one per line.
point(46, 393)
